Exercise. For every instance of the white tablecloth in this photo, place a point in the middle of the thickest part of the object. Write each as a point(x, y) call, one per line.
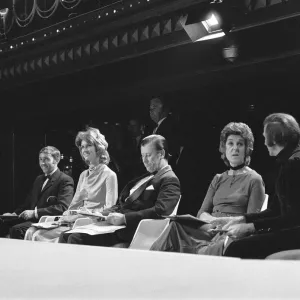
point(36, 270)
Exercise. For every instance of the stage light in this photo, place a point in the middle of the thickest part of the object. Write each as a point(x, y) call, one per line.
point(209, 20)
point(200, 28)
point(4, 12)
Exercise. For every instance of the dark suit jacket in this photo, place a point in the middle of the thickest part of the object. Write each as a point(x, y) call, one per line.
point(170, 130)
point(54, 199)
point(157, 197)
point(284, 207)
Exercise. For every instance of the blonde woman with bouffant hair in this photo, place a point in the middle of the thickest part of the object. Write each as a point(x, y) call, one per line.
point(94, 137)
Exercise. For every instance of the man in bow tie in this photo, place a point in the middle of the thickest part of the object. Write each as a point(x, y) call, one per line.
point(150, 196)
point(51, 194)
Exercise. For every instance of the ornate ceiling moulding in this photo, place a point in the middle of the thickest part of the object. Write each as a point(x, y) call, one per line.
point(125, 29)
point(118, 14)
point(135, 40)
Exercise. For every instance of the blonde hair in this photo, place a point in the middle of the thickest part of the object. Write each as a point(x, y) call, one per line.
point(94, 137)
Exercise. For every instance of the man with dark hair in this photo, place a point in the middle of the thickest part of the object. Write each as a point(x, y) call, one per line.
point(51, 194)
point(150, 196)
point(166, 126)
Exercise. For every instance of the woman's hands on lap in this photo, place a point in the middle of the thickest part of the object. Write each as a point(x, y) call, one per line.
point(237, 228)
point(238, 231)
point(233, 221)
point(221, 222)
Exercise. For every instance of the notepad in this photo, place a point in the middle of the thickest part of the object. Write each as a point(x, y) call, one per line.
point(45, 225)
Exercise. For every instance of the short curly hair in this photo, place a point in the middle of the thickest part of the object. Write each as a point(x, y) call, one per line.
point(94, 137)
point(242, 130)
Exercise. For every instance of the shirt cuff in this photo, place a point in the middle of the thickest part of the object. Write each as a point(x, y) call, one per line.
point(124, 219)
point(35, 213)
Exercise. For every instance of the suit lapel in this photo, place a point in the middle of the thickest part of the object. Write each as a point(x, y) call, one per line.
point(51, 181)
point(137, 193)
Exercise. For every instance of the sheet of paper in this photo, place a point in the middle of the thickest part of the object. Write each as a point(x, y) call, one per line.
point(45, 225)
point(96, 228)
point(91, 214)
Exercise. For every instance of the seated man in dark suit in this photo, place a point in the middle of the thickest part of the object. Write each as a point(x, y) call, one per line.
point(51, 194)
point(148, 197)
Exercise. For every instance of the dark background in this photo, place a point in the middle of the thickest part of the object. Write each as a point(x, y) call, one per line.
point(51, 112)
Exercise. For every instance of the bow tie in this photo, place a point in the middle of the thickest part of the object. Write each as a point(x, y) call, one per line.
point(47, 177)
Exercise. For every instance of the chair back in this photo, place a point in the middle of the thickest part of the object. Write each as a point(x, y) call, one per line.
point(174, 212)
point(265, 204)
point(149, 230)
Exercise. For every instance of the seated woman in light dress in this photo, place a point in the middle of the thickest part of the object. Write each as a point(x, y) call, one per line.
point(235, 192)
point(97, 186)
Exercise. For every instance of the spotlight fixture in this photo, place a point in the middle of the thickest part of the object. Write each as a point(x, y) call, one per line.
point(4, 12)
point(203, 28)
point(208, 20)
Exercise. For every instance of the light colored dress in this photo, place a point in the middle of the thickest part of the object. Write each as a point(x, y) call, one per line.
point(230, 195)
point(97, 189)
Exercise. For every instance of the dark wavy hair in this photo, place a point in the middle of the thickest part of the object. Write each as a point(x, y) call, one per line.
point(281, 129)
point(242, 130)
point(94, 137)
point(159, 142)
